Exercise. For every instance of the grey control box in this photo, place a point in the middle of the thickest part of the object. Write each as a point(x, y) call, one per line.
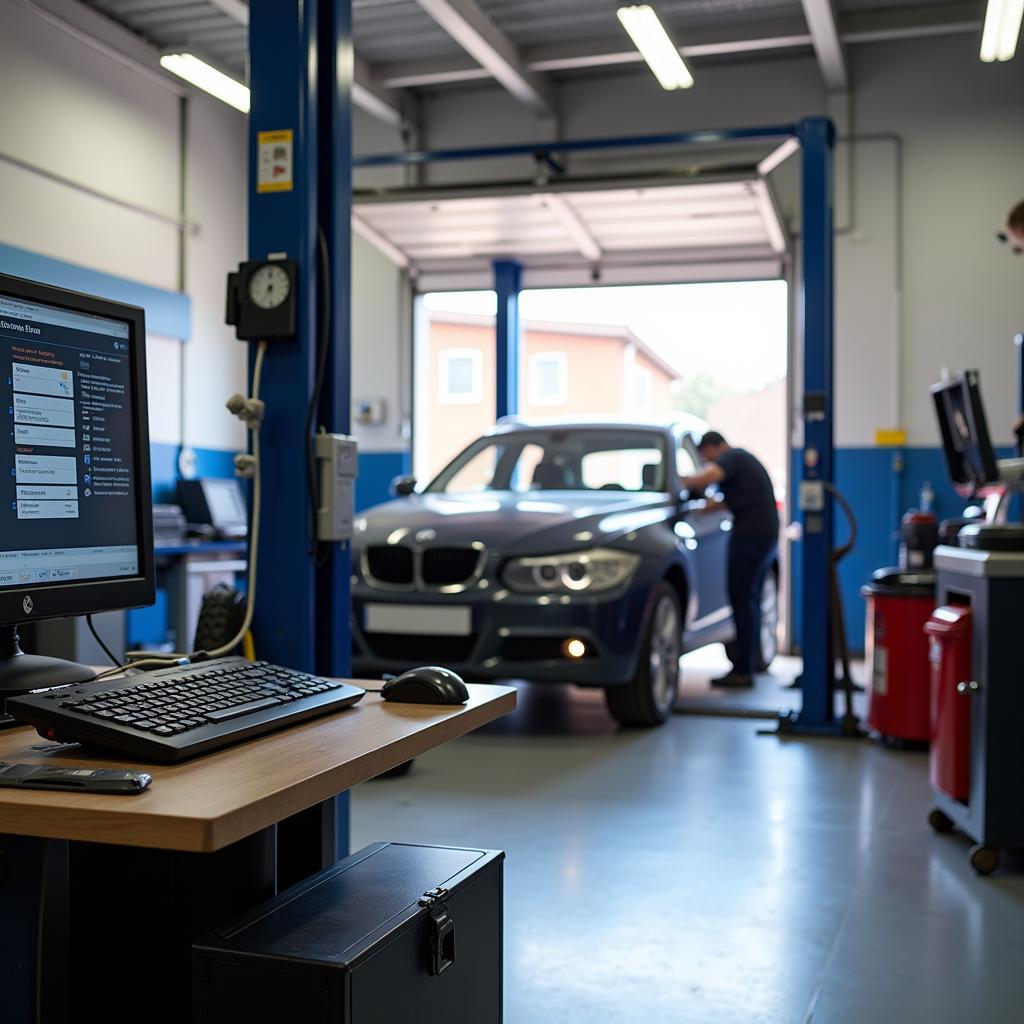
point(337, 459)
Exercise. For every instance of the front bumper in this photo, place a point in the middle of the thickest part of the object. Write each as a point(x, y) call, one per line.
point(513, 636)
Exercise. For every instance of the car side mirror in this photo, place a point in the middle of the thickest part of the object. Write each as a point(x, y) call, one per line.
point(403, 486)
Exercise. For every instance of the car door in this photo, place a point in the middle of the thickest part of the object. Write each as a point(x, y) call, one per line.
point(711, 536)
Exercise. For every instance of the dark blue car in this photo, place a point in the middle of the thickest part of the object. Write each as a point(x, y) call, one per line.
point(564, 553)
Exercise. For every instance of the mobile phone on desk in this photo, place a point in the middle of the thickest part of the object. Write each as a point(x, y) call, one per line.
point(86, 780)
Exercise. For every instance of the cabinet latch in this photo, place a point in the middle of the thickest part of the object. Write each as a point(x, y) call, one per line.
point(442, 931)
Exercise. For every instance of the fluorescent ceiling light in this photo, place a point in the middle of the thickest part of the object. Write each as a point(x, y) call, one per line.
point(209, 79)
point(1002, 27)
point(649, 36)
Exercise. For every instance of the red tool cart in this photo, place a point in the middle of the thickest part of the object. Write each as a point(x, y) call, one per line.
point(898, 606)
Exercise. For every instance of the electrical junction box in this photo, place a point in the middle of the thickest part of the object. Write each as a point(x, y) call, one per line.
point(371, 412)
point(337, 457)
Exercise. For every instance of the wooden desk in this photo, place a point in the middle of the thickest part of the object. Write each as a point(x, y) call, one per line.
point(128, 883)
point(205, 804)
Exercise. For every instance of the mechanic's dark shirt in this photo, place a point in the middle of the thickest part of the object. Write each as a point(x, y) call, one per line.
point(747, 490)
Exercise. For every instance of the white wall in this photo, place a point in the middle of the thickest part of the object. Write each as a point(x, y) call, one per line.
point(69, 109)
point(215, 361)
point(381, 345)
point(962, 123)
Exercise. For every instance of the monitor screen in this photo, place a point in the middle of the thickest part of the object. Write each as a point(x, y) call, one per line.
point(69, 456)
point(970, 457)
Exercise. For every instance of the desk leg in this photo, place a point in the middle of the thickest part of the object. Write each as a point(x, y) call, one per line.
point(135, 914)
point(312, 840)
point(33, 930)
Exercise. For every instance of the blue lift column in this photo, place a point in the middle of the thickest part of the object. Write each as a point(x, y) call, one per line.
point(300, 54)
point(508, 283)
point(817, 138)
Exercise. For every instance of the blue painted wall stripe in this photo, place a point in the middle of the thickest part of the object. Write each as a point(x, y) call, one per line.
point(167, 313)
point(376, 471)
point(210, 462)
point(879, 495)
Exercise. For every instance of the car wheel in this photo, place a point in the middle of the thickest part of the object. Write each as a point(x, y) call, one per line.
point(649, 697)
point(768, 640)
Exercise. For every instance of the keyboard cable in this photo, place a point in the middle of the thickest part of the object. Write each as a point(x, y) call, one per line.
point(154, 659)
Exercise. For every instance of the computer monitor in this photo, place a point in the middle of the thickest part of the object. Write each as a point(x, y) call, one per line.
point(76, 531)
point(970, 457)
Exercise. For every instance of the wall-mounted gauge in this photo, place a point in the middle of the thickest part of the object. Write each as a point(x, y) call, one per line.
point(262, 300)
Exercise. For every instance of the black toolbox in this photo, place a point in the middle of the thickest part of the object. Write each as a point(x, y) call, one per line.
point(393, 933)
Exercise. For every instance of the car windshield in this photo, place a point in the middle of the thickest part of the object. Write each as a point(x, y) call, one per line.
point(558, 460)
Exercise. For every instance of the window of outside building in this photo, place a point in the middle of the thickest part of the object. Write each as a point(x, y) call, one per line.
point(643, 388)
point(460, 376)
point(549, 378)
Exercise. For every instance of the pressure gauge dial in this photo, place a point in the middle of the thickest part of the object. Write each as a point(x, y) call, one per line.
point(270, 286)
point(261, 300)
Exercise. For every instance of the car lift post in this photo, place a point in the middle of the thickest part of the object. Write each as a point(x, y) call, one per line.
point(817, 682)
point(508, 282)
point(301, 67)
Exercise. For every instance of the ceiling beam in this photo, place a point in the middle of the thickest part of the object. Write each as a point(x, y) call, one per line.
point(751, 38)
point(493, 50)
point(368, 94)
point(828, 47)
point(236, 9)
point(569, 217)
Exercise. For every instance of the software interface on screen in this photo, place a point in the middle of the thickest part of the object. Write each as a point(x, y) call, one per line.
point(67, 487)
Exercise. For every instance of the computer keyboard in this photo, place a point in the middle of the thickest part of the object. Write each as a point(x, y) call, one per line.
point(175, 713)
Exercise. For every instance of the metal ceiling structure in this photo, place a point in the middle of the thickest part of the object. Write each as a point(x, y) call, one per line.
point(529, 45)
point(578, 233)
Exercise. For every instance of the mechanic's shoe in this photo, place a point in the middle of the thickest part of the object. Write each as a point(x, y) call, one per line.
point(737, 680)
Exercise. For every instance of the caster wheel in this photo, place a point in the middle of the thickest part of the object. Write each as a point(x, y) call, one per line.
point(940, 821)
point(984, 859)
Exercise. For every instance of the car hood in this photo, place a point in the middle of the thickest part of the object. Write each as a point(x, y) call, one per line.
point(538, 522)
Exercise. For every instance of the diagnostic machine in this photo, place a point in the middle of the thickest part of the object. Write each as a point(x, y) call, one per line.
point(76, 533)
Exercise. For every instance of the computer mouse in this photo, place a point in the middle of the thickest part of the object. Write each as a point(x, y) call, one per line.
point(428, 685)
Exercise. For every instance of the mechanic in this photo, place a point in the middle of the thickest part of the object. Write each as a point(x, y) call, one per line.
point(746, 491)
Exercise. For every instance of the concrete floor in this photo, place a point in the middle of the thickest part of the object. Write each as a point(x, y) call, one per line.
point(701, 873)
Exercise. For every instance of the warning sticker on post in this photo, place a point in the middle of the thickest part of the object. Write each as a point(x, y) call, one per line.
point(274, 162)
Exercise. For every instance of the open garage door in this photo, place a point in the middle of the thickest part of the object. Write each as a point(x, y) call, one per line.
point(655, 232)
point(640, 230)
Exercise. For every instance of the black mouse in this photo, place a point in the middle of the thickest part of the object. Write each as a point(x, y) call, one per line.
point(428, 685)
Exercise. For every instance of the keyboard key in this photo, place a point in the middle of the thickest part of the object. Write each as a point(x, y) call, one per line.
point(223, 714)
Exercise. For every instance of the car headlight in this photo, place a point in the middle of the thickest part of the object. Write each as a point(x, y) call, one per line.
point(577, 572)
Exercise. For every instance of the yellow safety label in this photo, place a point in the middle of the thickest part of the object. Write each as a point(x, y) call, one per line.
point(275, 161)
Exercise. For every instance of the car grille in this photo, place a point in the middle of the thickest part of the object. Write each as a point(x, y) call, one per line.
point(390, 564)
point(446, 566)
point(398, 566)
point(398, 647)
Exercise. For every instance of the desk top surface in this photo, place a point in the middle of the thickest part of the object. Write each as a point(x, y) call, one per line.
point(216, 799)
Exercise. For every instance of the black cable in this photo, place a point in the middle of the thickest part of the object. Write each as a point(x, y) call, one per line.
point(106, 650)
point(323, 347)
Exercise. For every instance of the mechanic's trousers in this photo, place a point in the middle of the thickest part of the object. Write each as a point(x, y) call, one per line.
point(750, 557)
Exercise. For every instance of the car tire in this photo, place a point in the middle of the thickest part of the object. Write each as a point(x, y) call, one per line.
point(648, 698)
point(769, 636)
